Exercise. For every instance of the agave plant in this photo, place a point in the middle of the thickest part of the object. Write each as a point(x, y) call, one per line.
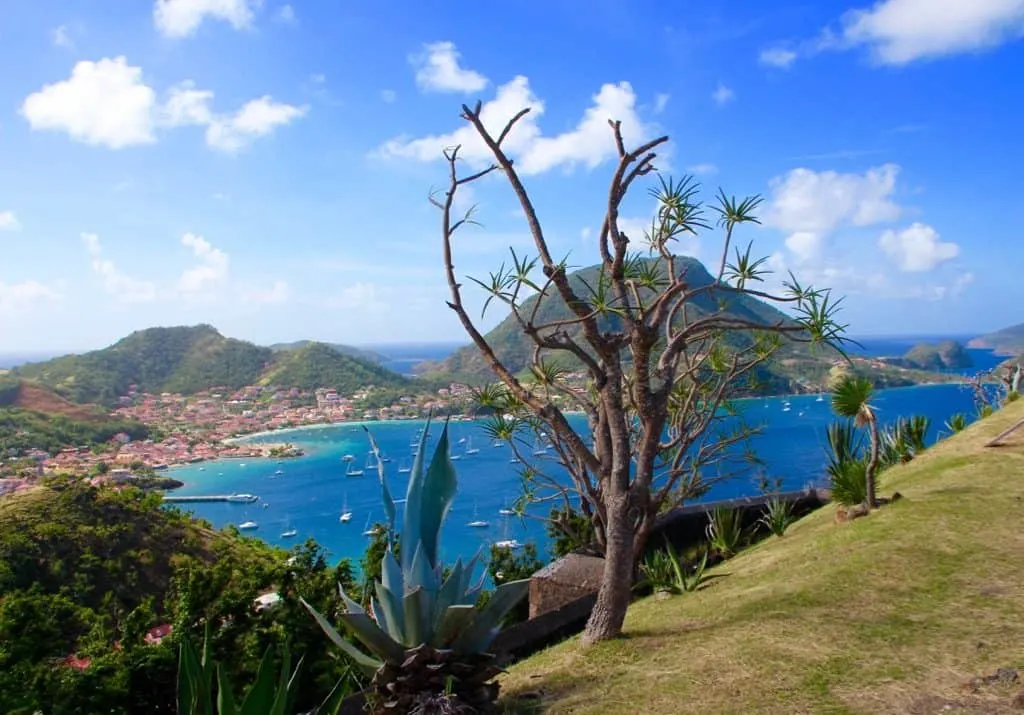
point(956, 423)
point(425, 634)
point(725, 530)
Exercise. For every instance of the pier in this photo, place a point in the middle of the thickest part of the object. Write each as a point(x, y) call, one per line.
point(236, 498)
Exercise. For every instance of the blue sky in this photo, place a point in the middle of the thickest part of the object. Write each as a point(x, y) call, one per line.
point(264, 167)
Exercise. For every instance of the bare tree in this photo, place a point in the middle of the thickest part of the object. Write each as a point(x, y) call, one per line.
point(658, 373)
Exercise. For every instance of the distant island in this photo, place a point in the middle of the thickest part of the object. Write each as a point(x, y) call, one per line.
point(947, 355)
point(1008, 341)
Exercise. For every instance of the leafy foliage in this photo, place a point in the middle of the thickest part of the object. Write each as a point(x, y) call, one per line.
point(316, 365)
point(956, 423)
point(22, 430)
point(83, 568)
point(777, 516)
point(569, 530)
point(665, 571)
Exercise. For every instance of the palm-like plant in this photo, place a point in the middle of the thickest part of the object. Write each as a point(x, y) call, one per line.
point(851, 398)
point(427, 636)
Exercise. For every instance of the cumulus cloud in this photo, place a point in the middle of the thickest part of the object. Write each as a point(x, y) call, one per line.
point(898, 32)
point(917, 248)
point(17, 298)
point(809, 205)
point(103, 103)
point(8, 221)
point(107, 103)
point(124, 288)
point(210, 272)
point(723, 95)
point(438, 70)
point(779, 57)
point(589, 143)
point(181, 18)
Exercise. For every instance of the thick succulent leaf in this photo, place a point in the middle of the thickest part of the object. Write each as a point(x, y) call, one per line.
point(332, 703)
point(370, 635)
point(449, 594)
point(190, 681)
point(419, 623)
point(487, 623)
point(225, 700)
point(389, 594)
point(391, 573)
point(412, 511)
point(287, 687)
point(454, 620)
point(366, 663)
point(439, 486)
point(389, 503)
point(350, 605)
point(422, 574)
point(379, 616)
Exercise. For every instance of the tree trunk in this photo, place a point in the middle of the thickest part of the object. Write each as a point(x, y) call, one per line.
point(617, 579)
point(869, 476)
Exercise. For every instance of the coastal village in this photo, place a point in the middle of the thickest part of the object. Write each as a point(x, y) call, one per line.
point(202, 427)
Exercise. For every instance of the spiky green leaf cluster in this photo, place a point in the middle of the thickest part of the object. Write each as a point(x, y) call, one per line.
point(417, 601)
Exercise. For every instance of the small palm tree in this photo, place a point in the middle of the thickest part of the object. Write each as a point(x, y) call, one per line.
point(851, 398)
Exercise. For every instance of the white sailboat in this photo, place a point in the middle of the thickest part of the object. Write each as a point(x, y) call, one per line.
point(470, 449)
point(289, 530)
point(496, 443)
point(404, 467)
point(369, 530)
point(346, 515)
point(539, 450)
point(351, 471)
point(505, 542)
point(477, 523)
point(505, 511)
point(248, 526)
point(821, 398)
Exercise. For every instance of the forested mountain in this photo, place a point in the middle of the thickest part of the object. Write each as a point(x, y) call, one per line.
point(1008, 341)
point(516, 349)
point(368, 355)
point(187, 360)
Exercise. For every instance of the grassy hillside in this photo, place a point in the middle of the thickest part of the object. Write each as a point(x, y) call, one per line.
point(187, 360)
point(893, 613)
point(947, 355)
point(316, 365)
point(1008, 341)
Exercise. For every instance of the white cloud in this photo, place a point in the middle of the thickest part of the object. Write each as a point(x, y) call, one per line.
point(438, 70)
point(917, 248)
point(8, 221)
point(211, 271)
point(257, 118)
point(287, 15)
point(960, 283)
point(389, 95)
point(124, 288)
point(723, 95)
point(103, 103)
point(61, 38)
point(901, 31)
point(277, 294)
point(660, 102)
point(17, 298)
point(590, 143)
point(187, 105)
point(701, 169)
point(181, 18)
point(810, 204)
point(777, 57)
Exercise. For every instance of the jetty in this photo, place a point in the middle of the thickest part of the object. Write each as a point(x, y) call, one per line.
point(243, 498)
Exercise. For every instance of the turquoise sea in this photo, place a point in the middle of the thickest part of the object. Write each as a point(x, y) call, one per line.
point(311, 491)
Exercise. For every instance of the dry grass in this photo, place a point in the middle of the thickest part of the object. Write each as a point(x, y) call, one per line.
point(893, 613)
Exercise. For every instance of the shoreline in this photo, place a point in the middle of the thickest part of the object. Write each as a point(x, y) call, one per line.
point(241, 439)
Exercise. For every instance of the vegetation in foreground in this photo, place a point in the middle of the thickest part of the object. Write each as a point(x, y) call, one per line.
point(914, 609)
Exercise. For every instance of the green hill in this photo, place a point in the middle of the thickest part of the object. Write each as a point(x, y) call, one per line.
point(513, 347)
point(1008, 341)
point(947, 355)
point(316, 365)
point(187, 360)
point(86, 572)
point(367, 355)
